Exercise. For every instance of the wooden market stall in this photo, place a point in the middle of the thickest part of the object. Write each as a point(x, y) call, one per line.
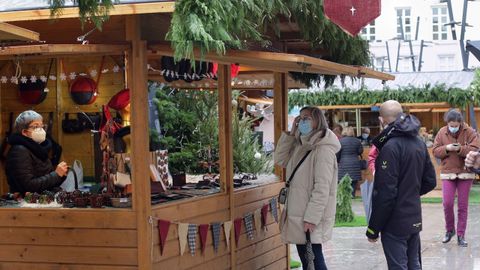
point(112, 238)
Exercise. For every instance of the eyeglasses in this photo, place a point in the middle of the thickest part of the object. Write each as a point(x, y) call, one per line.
point(306, 118)
point(36, 127)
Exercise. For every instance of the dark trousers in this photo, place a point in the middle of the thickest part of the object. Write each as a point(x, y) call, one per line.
point(319, 261)
point(402, 252)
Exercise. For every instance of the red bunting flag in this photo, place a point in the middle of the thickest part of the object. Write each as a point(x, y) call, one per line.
point(264, 215)
point(203, 230)
point(237, 224)
point(352, 15)
point(163, 226)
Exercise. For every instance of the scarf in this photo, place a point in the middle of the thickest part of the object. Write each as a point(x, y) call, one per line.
point(39, 150)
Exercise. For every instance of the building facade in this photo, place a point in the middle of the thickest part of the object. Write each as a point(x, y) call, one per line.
point(416, 35)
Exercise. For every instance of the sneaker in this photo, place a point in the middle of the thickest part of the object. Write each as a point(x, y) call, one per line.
point(462, 242)
point(448, 236)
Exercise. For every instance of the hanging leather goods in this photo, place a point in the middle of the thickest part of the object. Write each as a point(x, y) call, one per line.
point(83, 89)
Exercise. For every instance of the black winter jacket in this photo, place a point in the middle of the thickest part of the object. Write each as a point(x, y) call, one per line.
point(348, 158)
point(403, 172)
point(28, 167)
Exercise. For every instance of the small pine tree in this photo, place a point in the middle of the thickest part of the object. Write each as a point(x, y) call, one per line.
point(344, 200)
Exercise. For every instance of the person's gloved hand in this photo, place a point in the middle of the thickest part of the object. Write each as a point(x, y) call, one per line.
point(62, 169)
point(472, 160)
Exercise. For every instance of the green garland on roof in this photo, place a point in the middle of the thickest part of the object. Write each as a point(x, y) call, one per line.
point(437, 93)
point(94, 10)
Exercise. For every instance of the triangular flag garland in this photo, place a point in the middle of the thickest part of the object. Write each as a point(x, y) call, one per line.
point(227, 226)
point(273, 208)
point(163, 226)
point(249, 226)
point(238, 228)
point(258, 220)
point(187, 233)
point(203, 230)
point(182, 236)
point(192, 238)
point(216, 235)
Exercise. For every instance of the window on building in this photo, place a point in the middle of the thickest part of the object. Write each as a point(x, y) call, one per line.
point(446, 62)
point(406, 17)
point(439, 19)
point(368, 32)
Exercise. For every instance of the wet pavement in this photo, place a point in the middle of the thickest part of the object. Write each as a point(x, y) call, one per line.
point(349, 248)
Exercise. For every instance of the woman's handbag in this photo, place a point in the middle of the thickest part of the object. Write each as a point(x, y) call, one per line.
point(74, 178)
point(282, 195)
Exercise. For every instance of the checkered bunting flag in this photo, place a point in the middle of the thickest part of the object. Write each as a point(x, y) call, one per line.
point(248, 219)
point(216, 227)
point(192, 238)
point(273, 208)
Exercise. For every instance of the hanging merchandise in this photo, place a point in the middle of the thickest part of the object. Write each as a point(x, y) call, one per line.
point(203, 231)
point(33, 91)
point(83, 89)
point(120, 100)
point(169, 69)
point(352, 15)
point(192, 238)
point(163, 226)
point(216, 235)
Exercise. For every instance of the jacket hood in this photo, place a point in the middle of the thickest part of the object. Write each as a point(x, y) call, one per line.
point(404, 126)
point(329, 140)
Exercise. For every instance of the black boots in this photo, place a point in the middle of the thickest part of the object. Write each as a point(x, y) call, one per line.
point(448, 237)
point(461, 241)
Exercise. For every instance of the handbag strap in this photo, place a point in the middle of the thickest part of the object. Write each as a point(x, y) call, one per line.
point(295, 170)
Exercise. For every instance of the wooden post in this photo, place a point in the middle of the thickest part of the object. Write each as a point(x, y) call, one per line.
point(137, 78)
point(226, 146)
point(280, 111)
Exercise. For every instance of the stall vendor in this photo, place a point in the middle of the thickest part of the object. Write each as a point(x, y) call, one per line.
point(28, 167)
point(121, 103)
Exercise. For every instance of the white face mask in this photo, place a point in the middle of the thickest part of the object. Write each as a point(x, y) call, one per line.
point(39, 135)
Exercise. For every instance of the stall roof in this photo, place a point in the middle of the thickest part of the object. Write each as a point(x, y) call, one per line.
point(460, 79)
point(9, 32)
point(280, 62)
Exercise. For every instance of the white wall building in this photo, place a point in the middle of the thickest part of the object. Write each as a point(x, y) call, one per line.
point(442, 52)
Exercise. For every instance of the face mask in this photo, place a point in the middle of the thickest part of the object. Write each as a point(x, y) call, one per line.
point(38, 135)
point(453, 129)
point(364, 136)
point(305, 127)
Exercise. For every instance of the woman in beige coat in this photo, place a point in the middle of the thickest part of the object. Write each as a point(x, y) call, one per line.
point(311, 198)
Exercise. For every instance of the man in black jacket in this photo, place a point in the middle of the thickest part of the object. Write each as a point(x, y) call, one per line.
point(403, 172)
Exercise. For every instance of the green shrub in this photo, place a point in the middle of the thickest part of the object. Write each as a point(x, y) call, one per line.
point(344, 200)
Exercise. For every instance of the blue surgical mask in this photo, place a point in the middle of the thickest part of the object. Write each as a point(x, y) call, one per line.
point(305, 127)
point(364, 136)
point(453, 130)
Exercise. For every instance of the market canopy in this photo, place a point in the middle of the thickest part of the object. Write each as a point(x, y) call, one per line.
point(9, 32)
point(280, 62)
point(474, 47)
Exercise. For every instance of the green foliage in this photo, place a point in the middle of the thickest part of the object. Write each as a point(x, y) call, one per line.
point(344, 200)
point(335, 96)
point(94, 10)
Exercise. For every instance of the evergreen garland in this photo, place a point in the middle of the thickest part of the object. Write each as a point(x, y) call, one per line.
point(456, 97)
point(95, 10)
point(344, 200)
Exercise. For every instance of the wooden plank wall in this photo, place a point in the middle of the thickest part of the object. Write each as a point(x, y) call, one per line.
point(68, 239)
point(75, 146)
point(266, 251)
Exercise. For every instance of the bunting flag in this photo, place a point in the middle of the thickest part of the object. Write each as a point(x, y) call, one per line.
point(182, 236)
point(192, 238)
point(203, 230)
point(216, 235)
point(227, 227)
point(163, 226)
point(264, 216)
point(274, 208)
point(238, 228)
point(258, 220)
point(352, 15)
point(248, 219)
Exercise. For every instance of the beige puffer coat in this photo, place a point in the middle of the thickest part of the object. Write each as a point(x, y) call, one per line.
point(313, 189)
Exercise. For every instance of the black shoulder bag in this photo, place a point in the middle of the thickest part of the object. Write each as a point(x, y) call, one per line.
point(282, 196)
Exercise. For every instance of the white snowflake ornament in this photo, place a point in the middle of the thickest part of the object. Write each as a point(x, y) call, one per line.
point(33, 79)
point(93, 73)
point(23, 79)
point(72, 75)
point(43, 78)
point(14, 80)
point(52, 77)
point(4, 79)
point(63, 77)
point(116, 68)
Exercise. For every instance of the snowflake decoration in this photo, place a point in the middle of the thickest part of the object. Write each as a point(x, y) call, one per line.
point(105, 70)
point(63, 77)
point(14, 80)
point(93, 73)
point(82, 74)
point(116, 68)
point(53, 77)
point(43, 78)
point(4, 79)
point(46, 90)
point(72, 75)
point(23, 79)
point(33, 79)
